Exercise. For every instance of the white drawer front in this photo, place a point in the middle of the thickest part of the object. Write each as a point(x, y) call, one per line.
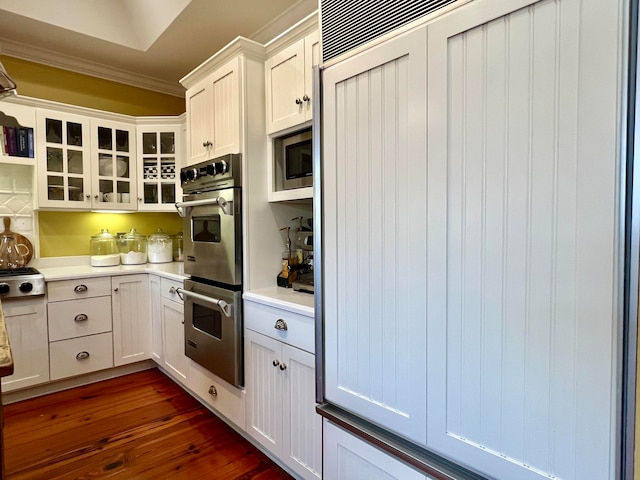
point(76, 318)
point(223, 398)
point(66, 356)
point(295, 329)
point(168, 289)
point(81, 288)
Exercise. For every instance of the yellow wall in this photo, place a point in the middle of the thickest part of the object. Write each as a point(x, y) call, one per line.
point(49, 83)
point(65, 234)
point(68, 233)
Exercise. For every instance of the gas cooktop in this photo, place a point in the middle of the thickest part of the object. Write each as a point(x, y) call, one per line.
point(21, 282)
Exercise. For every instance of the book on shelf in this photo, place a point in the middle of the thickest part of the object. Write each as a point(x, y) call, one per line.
point(22, 142)
point(12, 146)
point(17, 141)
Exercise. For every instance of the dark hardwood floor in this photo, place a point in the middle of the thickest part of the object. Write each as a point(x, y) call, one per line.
point(139, 426)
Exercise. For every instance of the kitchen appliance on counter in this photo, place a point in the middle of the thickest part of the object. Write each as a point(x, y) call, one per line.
point(212, 242)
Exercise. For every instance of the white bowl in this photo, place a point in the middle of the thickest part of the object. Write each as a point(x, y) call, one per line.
point(105, 167)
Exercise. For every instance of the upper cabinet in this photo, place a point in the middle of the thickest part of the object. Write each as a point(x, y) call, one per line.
point(213, 113)
point(16, 121)
point(159, 146)
point(288, 76)
point(63, 165)
point(114, 167)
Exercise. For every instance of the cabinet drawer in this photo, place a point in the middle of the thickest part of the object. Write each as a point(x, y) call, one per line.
point(76, 318)
point(168, 289)
point(66, 356)
point(225, 399)
point(264, 319)
point(81, 288)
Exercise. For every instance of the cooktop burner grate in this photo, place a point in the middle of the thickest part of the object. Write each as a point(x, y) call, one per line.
point(14, 272)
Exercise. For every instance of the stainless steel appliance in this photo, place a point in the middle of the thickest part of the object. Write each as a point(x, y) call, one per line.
point(21, 282)
point(293, 161)
point(212, 242)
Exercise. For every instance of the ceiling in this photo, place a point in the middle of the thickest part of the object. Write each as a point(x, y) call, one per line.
point(147, 43)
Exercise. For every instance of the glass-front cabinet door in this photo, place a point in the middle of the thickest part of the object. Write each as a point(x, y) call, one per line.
point(159, 147)
point(114, 165)
point(63, 160)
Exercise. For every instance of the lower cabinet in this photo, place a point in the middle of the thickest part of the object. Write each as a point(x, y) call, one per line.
point(280, 384)
point(26, 321)
point(80, 326)
point(174, 361)
point(131, 319)
point(347, 457)
point(155, 308)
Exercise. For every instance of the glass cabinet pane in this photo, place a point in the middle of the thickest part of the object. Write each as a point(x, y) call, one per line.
point(54, 159)
point(74, 162)
point(149, 143)
point(167, 143)
point(105, 165)
point(76, 189)
point(122, 164)
point(168, 168)
point(122, 141)
point(74, 134)
point(104, 138)
point(168, 193)
point(55, 187)
point(150, 193)
point(54, 130)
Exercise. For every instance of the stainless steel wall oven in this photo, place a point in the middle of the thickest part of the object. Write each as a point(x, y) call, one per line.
point(212, 229)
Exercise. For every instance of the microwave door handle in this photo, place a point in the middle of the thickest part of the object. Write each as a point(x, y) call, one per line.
point(221, 304)
point(227, 207)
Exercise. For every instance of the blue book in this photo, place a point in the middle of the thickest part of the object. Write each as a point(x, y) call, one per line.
point(30, 142)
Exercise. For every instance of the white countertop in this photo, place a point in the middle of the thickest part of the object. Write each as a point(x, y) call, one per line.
point(280, 297)
point(53, 271)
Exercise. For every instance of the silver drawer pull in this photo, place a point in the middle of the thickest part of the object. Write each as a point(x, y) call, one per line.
point(81, 317)
point(280, 325)
point(212, 391)
point(80, 288)
point(82, 356)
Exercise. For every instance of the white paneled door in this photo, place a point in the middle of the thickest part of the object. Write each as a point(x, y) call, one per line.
point(522, 246)
point(374, 155)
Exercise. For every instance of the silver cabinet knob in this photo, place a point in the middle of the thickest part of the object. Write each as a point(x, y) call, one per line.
point(82, 356)
point(298, 101)
point(306, 98)
point(88, 196)
point(212, 391)
point(281, 325)
point(172, 290)
point(95, 196)
point(276, 363)
point(115, 289)
point(207, 144)
point(283, 366)
point(81, 317)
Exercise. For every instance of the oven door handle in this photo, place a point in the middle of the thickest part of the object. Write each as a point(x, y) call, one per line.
point(227, 207)
point(221, 304)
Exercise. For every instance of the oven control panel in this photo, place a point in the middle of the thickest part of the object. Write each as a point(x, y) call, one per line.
point(216, 173)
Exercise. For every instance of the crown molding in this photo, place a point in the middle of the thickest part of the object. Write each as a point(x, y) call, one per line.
point(106, 72)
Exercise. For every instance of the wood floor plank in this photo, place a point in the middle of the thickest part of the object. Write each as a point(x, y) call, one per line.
point(141, 426)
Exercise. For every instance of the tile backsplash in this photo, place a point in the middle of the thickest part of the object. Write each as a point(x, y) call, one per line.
point(17, 198)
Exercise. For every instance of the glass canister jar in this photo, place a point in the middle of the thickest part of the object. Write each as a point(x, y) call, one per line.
point(133, 248)
point(177, 248)
point(160, 247)
point(104, 250)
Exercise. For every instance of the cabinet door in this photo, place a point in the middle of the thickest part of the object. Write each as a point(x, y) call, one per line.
point(350, 458)
point(174, 360)
point(522, 250)
point(63, 156)
point(225, 85)
point(311, 59)
point(155, 309)
point(199, 123)
point(302, 426)
point(374, 124)
point(285, 84)
point(264, 385)
point(131, 322)
point(26, 321)
point(114, 168)
point(158, 148)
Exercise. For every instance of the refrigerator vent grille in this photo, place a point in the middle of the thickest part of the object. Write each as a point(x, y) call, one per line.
point(347, 24)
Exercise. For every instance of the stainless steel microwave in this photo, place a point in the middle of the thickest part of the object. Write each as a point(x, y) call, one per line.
point(293, 161)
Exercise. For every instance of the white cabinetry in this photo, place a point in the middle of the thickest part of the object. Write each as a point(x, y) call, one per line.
point(213, 114)
point(15, 115)
point(497, 305)
point(280, 384)
point(155, 309)
point(131, 320)
point(63, 155)
point(80, 338)
point(159, 146)
point(174, 361)
point(288, 83)
point(114, 167)
point(349, 458)
point(26, 321)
